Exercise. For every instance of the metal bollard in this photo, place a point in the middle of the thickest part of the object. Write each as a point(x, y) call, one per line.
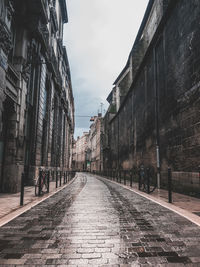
point(139, 181)
point(48, 181)
point(199, 174)
point(148, 181)
point(124, 177)
point(60, 178)
point(169, 185)
point(64, 177)
point(131, 178)
point(56, 179)
point(22, 190)
point(40, 181)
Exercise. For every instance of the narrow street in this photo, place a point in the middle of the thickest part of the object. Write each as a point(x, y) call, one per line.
point(94, 222)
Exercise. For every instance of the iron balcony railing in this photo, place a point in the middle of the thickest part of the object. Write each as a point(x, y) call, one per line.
point(44, 34)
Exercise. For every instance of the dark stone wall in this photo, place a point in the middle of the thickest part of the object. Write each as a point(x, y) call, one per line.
point(171, 67)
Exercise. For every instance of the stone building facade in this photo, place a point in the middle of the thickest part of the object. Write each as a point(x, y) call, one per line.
point(154, 112)
point(81, 146)
point(95, 145)
point(36, 99)
point(88, 148)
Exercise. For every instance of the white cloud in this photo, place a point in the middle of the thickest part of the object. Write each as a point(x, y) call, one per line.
point(99, 37)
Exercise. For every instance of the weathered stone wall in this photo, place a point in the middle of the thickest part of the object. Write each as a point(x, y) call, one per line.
point(35, 102)
point(169, 66)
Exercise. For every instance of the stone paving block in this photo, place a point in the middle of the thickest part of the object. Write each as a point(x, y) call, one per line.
point(96, 262)
point(68, 250)
point(31, 256)
point(96, 242)
point(50, 251)
point(80, 262)
point(91, 255)
point(12, 261)
point(62, 261)
point(35, 261)
point(105, 245)
point(155, 261)
point(103, 250)
point(89, 245)
point(72, 256)
point(85, 250)
point(51, 256)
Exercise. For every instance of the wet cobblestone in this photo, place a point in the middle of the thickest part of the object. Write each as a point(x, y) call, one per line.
point(94, 222)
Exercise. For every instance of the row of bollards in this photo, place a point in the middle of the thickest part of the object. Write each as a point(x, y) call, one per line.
point(169, 185)
point(118, 175)
point(44, 181)
point(143, 177)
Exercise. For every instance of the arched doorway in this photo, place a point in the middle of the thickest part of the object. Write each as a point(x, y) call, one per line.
point(6, 140)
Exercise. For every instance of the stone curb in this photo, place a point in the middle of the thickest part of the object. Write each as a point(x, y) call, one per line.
point(14, 214)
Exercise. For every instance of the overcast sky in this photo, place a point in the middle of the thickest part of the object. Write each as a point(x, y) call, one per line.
point(98, 37)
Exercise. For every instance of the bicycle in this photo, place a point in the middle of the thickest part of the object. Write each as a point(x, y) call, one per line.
point(44, 186)
point(147, 178)
point(142, 178)
point(152, 179)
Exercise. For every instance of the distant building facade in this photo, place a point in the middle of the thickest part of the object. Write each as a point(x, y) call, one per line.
point(154, 112)
point(36, 99)
point(81, 146)
point(88, 155)
point(95, 144)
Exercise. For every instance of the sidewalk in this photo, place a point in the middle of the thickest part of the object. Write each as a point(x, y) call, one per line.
point(10, 203)
point(190, 204)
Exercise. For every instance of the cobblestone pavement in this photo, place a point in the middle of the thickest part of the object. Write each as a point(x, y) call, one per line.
point(94, 222)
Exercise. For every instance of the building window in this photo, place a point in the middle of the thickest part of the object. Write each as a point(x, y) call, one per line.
point(11, 53)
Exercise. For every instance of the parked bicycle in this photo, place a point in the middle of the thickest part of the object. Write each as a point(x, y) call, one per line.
point(147, 176)
point(41, 185)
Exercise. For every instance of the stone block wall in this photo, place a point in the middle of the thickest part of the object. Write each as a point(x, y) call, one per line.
point(165, 93)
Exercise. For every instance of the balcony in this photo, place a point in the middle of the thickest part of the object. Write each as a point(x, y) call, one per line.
point(12, 78)
point(54, 62)
point(5, 37)
point(43, 9)
point(54, 19)
point(60, 44)
point(44, 34)
point(59, 79)
point(36, 9)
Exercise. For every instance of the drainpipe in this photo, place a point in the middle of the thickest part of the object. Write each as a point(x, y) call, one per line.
point(118, 160)
point(157, 120)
